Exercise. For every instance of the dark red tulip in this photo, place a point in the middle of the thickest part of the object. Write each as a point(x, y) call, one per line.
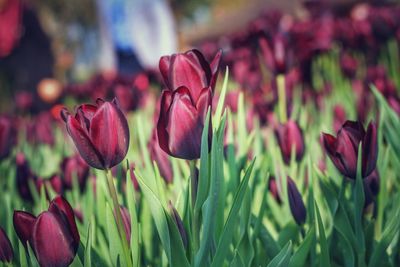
point(41, 129)
point(6, 251)
point(343, 150)
point(126, 221)
point(179, 223)
point(181, 122)
point(7, 135)
point(53, 235)
point(54, 182)
point(339, 117)
point(296, 202)
point(371, 187)
point(23, 177)
point(190, 70)
point(100, 133)
point(290, 136)
point(160, 157)
point(348, 65)
point(274, 190)
point(74, 167)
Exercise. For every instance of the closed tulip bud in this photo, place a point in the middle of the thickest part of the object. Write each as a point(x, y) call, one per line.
point(158, 155)
point(100, 133)
point(53, 235)
point(290, 136)
point(179, 223)
point(274, 190)
point(6, 251)
point(24, 176)
point(191, 70)
point(296, 202)
point(371, 187)
point(343, 149)
point(181, 122)
point(126, 221)
point(6, 136)
point(75, 167)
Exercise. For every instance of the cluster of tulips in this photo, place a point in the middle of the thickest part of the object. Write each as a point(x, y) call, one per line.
point(232, 163)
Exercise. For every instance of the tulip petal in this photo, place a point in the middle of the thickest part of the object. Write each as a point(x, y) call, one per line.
point(330, 143)
point(82, 142)
point(163, 65)
point(369, 150)
point(184, 126)
point(185, 70)
point(51, 241)
point(59, 204)
point(6, 251)
point(109, 133)
point(162, 134)
point(23, 225)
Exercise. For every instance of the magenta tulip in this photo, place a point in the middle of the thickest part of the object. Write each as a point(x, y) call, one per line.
point(343, 149)
point(6, 251)
point(75, 167)
point(100, 133)
point(53, 235)
point(290, 136)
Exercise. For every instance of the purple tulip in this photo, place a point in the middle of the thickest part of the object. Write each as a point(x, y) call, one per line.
point(126, 221)
point(190, 70)
point(289, 136)
point(274, 190)
point(23, 176)
point(53, 235)
point(74, 167)
point(100, 133)
point(343, 150)
point(296, 203)
point(181, 122)
point(6, 136)
point(6, 251)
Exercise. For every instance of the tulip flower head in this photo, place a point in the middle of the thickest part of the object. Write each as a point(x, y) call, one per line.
point(190, 82)
point(53, 235)
point(296, 203)
point(290, 136)
point(100, 133)
point(343, 149)
point(6, 251)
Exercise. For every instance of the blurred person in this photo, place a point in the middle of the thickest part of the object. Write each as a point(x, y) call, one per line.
point(25, 53)
point(134, 34)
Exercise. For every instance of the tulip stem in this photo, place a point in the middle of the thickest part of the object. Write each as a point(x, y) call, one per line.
point(195, 218)
point(280, 80)
point(118, 216)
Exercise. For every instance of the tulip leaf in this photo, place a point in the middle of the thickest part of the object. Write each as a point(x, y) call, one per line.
point(135, 246)
point(210, 208)
point(389, 233)
point(88, 247)
point(114, 239)
point(299, 257)
point(283, 257)
point(324, 261)
point(158, 213)
point(221, 100)
point(228, 230)
point(22, 255)
point(178, 252)
point(359, 200)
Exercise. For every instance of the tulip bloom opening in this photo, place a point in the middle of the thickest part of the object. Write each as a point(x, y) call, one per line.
point(100, 133)
point(343, 149)
point(190, 82)
point(53, 235)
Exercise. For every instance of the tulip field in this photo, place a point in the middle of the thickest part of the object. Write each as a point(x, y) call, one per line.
point(278, 145)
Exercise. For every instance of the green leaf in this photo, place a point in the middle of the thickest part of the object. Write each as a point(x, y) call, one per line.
point(221, 100)
point(130, 196)
point(324, 261)
point(88, 247)
point(231, 221)
point(178, 252)
point(114, 240)
point(300, 255)
point(283, 257)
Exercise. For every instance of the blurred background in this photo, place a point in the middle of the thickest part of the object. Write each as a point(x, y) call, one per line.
point(49, 48)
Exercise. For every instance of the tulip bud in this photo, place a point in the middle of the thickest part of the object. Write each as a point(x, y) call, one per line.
point(343, 150)
point(371, 187)
point(179, 224)
point(158, 155)
point(289, 136)
point(6, 251)
point(274, 190)
point(23, 176)
point(74, 167)
point(190, 70)
point(295, 202)
point(181, 122)
point(126, 221)
point(6, 136)
point(100, 133)
point(53, 235)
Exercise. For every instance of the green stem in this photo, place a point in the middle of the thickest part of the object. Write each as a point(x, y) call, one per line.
point(196, 215)
point(118, 216)
point(280, 80)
